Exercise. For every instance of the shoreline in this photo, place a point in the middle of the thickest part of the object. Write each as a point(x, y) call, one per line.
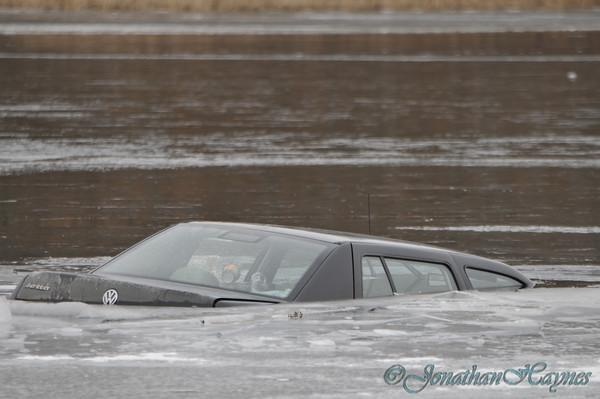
point(255, 6)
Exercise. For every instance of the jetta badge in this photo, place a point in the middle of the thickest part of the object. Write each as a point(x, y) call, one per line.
point(110, 297)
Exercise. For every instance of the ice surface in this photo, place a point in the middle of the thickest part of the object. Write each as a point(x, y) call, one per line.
point(5, 318)
point(509, 229)
point(56, 263)
point(588, 273)
point(302, 57)
point(296, 23)
point(338, 349)
point(21, 153)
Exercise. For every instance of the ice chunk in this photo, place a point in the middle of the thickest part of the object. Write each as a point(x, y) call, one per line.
point(5, 317)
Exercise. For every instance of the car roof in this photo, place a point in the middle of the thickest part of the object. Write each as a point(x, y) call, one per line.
point(330, 236)
point(339, 238)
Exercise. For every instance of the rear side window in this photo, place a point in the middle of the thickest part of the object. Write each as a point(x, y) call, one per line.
point(485, 280)
point(415, 277)
point(374, 279)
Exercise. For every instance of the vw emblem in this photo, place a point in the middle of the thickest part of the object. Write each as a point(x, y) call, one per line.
point(110, 297)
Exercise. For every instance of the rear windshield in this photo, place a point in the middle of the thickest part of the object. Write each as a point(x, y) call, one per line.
point(238, 259)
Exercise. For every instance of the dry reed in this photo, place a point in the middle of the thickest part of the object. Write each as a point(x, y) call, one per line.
point(300, 5)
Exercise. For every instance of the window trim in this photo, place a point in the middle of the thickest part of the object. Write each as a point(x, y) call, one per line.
point(389, 275)
point(448, 268)
point(523, 285)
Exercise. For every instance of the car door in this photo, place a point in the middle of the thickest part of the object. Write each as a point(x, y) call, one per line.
point(385, 270)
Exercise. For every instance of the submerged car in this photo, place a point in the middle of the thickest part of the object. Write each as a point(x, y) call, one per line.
point(212, 264)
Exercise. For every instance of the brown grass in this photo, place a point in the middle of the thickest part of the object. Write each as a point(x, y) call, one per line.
point(300, 5)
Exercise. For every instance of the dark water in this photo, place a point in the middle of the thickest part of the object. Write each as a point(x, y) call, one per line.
point(485, 142)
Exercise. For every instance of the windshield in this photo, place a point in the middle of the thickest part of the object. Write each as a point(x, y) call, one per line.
point(227, 257)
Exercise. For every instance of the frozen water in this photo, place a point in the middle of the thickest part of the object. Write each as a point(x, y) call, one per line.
point(589, 273)
point(20, 153)
point(301, 57)
point(77, 349)
point(5, 318)
point(337, 349)
point(509, 229)
point(297, 23)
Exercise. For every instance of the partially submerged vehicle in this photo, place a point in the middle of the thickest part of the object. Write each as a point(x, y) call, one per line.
point(213, 264)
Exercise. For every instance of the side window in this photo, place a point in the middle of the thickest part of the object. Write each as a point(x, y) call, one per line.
point(413, 277)
point(482, 280)
point(374, 279)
